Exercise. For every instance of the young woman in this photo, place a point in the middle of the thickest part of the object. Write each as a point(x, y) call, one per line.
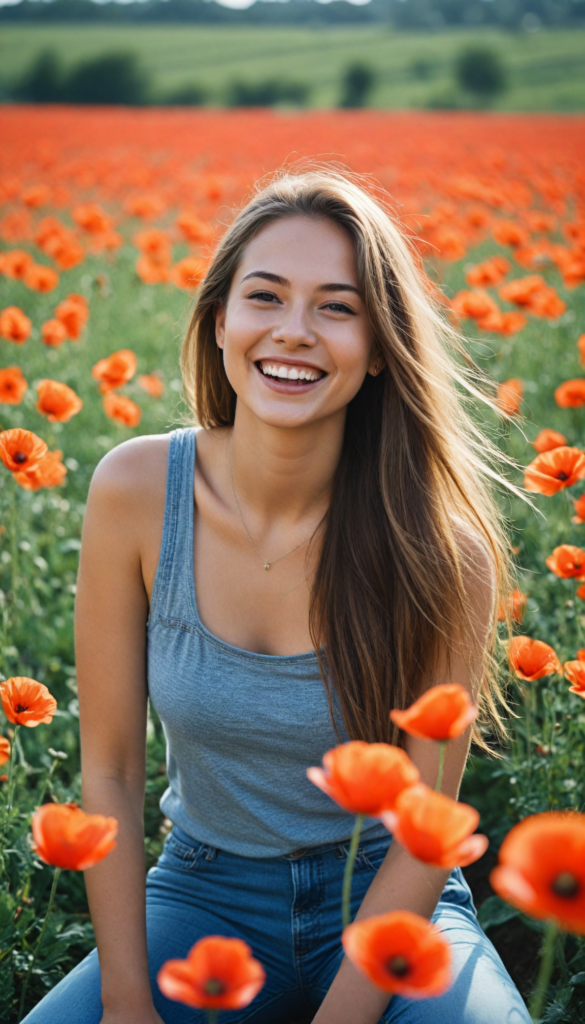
point(321, 550)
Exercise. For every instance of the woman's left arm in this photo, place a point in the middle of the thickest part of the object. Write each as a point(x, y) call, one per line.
point(402, 882)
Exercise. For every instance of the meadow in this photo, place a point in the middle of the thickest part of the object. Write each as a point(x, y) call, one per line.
point(107, 219)
point(546, 69)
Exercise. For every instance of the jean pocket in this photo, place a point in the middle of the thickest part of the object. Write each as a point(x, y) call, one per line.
point(181, 856)
point(369, 854)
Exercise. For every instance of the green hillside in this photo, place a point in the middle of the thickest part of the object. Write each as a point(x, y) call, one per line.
point(546, 69)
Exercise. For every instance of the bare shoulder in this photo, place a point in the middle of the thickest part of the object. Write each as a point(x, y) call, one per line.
point(478, 560)
point(133, 472)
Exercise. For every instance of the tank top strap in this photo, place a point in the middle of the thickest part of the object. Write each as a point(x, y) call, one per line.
point(176, 554)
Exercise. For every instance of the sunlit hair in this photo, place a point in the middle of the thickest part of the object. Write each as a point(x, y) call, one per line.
point(412, 517)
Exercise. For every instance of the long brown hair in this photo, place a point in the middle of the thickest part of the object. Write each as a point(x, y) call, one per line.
point(389, 602)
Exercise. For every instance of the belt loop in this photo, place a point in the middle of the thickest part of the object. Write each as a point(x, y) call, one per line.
point(210, 852)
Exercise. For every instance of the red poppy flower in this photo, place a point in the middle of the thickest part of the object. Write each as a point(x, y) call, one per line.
point(21, 449)
point(12, 386)
point(67, 837)
point(579, 516)
point(436, 829)
point(57, 401)
point(548, 440)
point(26, 702)
point(40, 278)
point(115, 370)
point(400, 952)
point(4, 750)
point(218, 973)
point(575, 673)
point(516, 606)
point(532, 659)
point(554, 470)
point(49, 472)
point(510, 396)
point(442, 713)
point(53, 333)
point(14, 325)
point(541, 868)
point(365, 778)
point(152, 384)
point(73, 313)
point(122, 410)
point(571, 393)
point(568, 562)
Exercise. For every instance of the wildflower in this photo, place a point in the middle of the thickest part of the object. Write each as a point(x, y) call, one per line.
point(16, 263)
point(580, 346)
point(152, 384)
point(516, 606)
point(434, 828)
point(568, 562)
point(486, 274)
point(151, 271)
point(26, 702)
point(442, 713)
point(532, 659)
point(20, 449)
point(579, 516)
point(49, 472)
point(541, 868)
point(510, 396)
point(547, 440)
point(189, 272)
point(73, 313)
point(67, 837)
point(53, 332)
point(554, 470)
point(57, 401)
point(92, 218)
point(4, 750)
point(507, 232)
point(121, 409)
point(35, 196)
point(575, 672)
point(115, 370)
point(12, 385)
point(365, 778)
point(193, 228)
point(40, 278)
point(14, 325)
point(400, 952)
point(218, 973)
point(571, 393)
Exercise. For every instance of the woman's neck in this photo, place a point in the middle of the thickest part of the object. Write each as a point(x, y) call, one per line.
point(284, 473)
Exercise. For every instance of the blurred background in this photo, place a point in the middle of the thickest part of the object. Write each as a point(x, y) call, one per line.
point(519, 55)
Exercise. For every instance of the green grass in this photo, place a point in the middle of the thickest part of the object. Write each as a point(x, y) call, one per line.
point(546, 68)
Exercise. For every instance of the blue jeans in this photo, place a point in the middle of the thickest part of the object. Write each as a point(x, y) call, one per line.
point(288, 910)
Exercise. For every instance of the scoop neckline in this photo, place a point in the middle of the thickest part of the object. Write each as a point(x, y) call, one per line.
point(212, 638)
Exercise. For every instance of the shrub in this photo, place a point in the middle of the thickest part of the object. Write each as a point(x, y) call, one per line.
point(357, 84)
point(110, 79)
point(189, 95)
point(43, 82)
point(479, 70)
point(267, 93)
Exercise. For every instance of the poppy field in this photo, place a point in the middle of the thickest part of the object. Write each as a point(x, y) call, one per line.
point(107, 222)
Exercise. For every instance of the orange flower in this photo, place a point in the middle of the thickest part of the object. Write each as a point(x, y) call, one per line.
point(522, 291)
point(26, 702)
point(554, 470)
point(436, 829)
point(516, 606)
point(218, 973)
point(14, 325)
point(57, 401)
point(40, 278)
point(579, 516)
point(541, 868)
point(4, 750)
point(474, 305)
point(156, 244)
point(16, 263)
point(189, 272)
point(67, 837)
point(400, 952)
point(509, 396)
point(49, 472)
point(580, 346)
point(121, 409)
point(532, 659)
point(115, 370)
point(152, 384)
point(36, 195)
point(12, 385)
point(548, 440)
point(571, 393)
point(568, 562)
point(575, 673)
point(488, 273)
point(507, 232)
point(53, 333)
point(193, 228)
point(20, 449)
point(442, 713)
point(150, 271)
point(73, 313)
point(365, 778)
point(91, 218)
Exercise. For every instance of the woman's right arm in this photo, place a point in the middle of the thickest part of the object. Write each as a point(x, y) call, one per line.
point(110, 640)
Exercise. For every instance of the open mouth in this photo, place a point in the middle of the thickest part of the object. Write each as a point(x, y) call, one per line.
point(292, 376)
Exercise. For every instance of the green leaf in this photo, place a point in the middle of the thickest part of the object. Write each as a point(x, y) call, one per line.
point(494, 911)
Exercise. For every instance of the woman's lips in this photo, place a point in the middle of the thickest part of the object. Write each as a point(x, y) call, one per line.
point(285, 386)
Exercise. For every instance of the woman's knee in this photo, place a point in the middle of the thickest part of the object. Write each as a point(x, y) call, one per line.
point(75, 1000)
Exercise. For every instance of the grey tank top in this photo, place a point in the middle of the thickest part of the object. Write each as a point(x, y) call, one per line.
point(241, 728)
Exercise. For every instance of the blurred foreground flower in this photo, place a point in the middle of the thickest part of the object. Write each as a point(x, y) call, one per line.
point(400, 952)
point(436, 829)
point(442, 713)
point(67, 837)
point(218, 974)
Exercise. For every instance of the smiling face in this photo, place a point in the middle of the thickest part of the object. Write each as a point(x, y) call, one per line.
point(294, 332)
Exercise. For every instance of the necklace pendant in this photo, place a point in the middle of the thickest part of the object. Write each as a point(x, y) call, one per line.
point(267, 565)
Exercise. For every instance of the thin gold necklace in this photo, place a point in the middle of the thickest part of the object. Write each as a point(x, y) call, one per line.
point(267, 564)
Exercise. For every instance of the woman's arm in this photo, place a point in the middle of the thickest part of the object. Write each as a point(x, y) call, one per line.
point(402, 882)
point(110, 640)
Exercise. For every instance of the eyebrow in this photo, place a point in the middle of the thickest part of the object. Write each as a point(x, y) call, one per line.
point(277, 279)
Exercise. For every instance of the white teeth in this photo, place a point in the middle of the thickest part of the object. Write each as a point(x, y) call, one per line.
point(289, 372)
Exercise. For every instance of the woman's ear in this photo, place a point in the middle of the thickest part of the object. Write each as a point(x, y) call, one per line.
point(220, 325)
point(377, 364)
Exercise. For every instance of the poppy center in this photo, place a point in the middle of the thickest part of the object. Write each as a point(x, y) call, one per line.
point(398, 966)
point(563, 476)
point(213, 987)
point(20, 709)
point(20, 457)
point(566, 885)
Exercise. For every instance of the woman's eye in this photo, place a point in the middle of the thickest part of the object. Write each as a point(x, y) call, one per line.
point(340, 307)
point(263, 296)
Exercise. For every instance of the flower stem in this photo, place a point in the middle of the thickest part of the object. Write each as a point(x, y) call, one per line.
point(13, 541)
point(212, 1016)
point(11, 773)
point(545, 971)
point(38, 942)
point(442, 749)
point(346, 893)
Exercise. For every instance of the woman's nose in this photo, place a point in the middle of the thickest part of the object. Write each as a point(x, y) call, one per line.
point(294, 328)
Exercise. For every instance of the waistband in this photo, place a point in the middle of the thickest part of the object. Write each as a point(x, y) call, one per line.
point(375, 843)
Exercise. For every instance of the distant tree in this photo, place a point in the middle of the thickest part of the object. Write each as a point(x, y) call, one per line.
point(114, 78)
point(356, 85)
point(190, 95)
point(479, 70)
point(267, 93)
point(43, 82)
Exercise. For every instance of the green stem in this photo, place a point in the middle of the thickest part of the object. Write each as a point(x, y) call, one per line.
point(346, 893)
point(11, 773)
point(442, 749)
point(212, 1016)
point(46, 782)
point(13, 541)
point(545, 971)
point(38, 942)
